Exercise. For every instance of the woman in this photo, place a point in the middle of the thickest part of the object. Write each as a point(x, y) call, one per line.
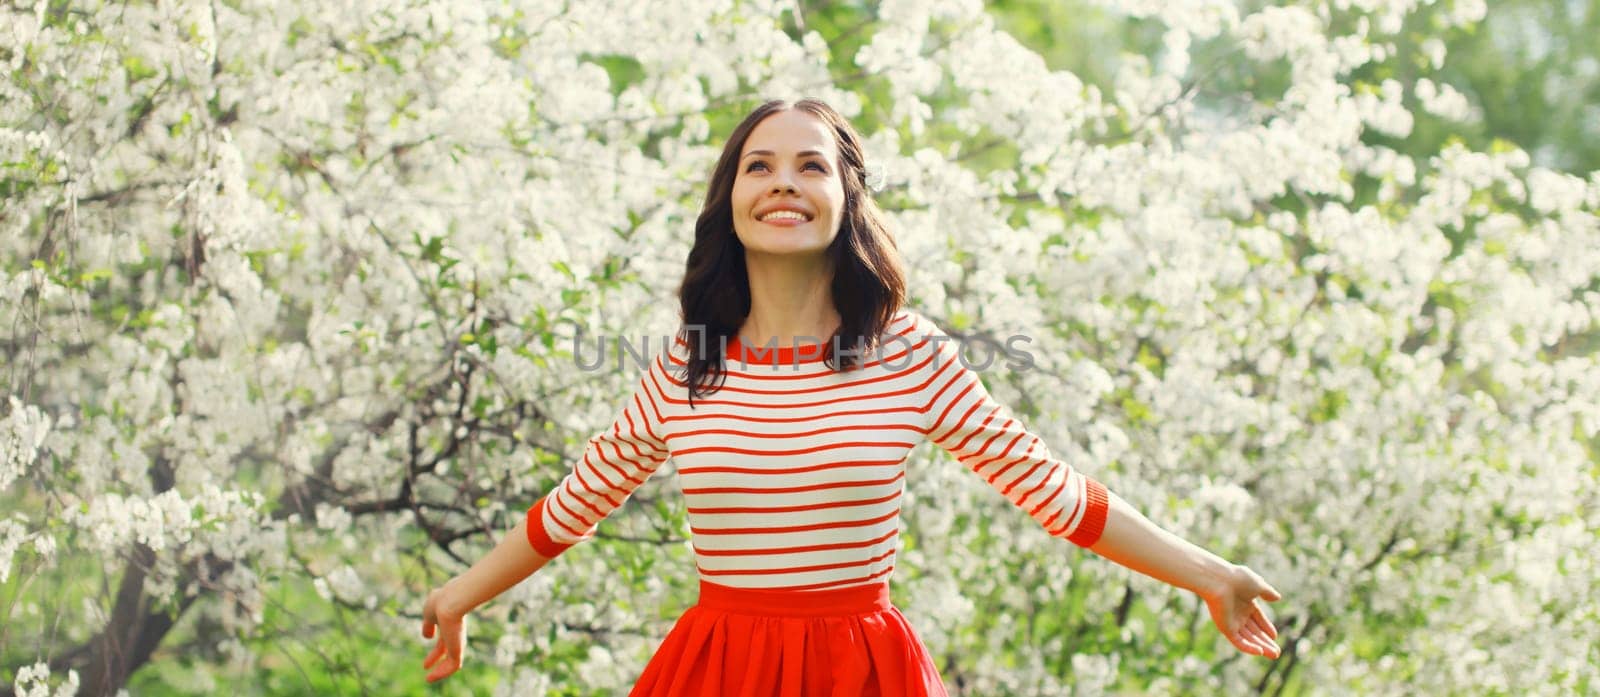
point(791, 449)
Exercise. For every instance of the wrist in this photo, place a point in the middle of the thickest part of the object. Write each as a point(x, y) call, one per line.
point(1216, 576)
point(455, 600)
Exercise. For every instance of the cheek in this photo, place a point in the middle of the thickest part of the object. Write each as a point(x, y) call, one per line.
point(740, 197)
point(835, 190)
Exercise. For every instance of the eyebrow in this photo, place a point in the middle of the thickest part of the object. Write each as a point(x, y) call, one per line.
point(803, 153)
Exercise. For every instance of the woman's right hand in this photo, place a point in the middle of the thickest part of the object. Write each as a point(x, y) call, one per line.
point(446, 607)
point(441, 613)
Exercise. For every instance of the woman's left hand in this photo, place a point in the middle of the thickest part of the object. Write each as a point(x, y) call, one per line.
point(1233, 607)
point(441, 614)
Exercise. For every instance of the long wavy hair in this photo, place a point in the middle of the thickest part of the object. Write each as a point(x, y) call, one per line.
point(868, 282)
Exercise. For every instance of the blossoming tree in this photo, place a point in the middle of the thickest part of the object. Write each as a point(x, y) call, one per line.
point(289, 292)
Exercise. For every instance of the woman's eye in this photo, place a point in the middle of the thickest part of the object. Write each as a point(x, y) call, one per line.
point(754, 165)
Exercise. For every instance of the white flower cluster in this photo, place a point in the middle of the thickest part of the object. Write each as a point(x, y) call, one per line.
point(34, 681)
point(342, 583)
point(13, 534)
point(213, 518)
point(1444, 101)
point(524, 682)
point(311, 250)
point(22, 433)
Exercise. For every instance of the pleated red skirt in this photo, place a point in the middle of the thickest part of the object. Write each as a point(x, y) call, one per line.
point(737, 642)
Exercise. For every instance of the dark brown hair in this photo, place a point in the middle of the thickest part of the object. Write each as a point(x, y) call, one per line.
point(868, 277)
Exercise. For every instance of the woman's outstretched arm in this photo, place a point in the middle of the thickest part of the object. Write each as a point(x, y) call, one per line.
point(614, 463)
point(1230, 590)
point(964, 419)
point(509, 563)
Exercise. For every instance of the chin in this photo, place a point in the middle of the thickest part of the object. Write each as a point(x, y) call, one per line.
point(778, 250)
point(797, 247)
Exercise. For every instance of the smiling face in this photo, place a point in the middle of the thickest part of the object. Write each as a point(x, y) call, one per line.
point(790, 162)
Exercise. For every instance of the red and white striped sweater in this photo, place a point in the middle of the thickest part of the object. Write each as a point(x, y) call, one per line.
point(793, 472)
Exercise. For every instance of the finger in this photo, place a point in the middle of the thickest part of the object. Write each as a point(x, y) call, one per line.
point(1236, 634)
point(438, 650)
point(1248, 643)
point(1260, 608)
point(1264, 624)
point(1269, 648)
point(452, 644)
point(444, 668)
point(427, 628)
point(1271, 594)
point(1248, 647)
point(1251, 637)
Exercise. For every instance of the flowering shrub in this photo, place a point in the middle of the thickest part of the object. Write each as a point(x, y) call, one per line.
point(288, 292)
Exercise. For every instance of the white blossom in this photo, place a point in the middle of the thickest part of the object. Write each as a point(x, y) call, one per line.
point(33, 681)
point(1444, 101)
point(294, 231)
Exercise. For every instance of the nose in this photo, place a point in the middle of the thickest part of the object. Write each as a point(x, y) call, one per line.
point(782, 183)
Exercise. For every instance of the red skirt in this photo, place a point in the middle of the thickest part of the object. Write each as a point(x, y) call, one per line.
point(740, 642)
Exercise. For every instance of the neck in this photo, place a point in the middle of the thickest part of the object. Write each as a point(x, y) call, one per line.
point(790, 300)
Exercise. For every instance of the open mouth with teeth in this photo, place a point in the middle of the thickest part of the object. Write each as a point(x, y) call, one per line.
point(777, 216)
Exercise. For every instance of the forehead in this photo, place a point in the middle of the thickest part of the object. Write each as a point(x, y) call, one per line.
point(791, 131)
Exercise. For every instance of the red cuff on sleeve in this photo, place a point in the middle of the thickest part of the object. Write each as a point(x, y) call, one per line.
point(1094, 519)
point(538, 537)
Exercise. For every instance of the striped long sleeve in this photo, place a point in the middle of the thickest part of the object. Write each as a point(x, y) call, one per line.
point(966, 421)
point(793, 472)
point(615, 462)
